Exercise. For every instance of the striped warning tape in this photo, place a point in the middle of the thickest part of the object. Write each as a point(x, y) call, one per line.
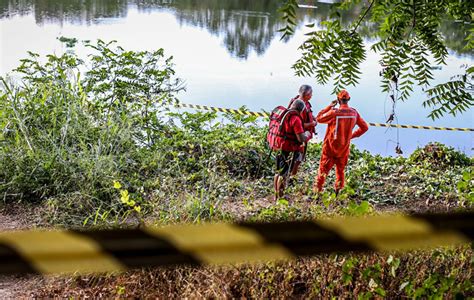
point(266, 114)
point(225, 110)
point(51, 252)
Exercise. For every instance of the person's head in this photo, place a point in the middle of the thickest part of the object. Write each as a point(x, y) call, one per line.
point(306, 92)
point(343, 97)
point(298, 105)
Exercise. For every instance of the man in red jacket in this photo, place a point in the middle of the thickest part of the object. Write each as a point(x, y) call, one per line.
point(305, 94)
point(337, 141)
point(290, 145)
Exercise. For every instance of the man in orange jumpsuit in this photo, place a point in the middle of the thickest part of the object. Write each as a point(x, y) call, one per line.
point(337, 141)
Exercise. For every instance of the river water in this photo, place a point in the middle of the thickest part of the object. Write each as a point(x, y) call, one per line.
point(230, 54)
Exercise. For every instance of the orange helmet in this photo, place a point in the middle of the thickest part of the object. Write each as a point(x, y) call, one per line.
point(343, 95)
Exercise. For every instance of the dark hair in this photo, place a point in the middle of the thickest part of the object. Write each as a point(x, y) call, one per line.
point(299, 105)
point(305, 89)
point(344, 100)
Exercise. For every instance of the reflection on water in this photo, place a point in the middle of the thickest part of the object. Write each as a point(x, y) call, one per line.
point(73, 11)
point(244, 25)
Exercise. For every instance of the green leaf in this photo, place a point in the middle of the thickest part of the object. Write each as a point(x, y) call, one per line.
point(466, 176)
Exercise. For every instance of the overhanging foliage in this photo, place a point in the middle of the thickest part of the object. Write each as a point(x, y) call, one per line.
point(408, 39)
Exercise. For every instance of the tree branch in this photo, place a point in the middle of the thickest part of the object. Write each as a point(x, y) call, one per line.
point(363, 16)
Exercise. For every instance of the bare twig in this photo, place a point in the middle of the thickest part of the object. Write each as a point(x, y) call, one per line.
point(363, 16)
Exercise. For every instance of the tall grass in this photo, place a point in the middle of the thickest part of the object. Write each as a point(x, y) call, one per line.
point(71, 128)
point(63, 134)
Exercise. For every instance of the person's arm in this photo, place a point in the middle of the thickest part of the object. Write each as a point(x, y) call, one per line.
point(310, 126)
point(307, 115)
point(363, 127)
point(303, 137)
point(326, 115)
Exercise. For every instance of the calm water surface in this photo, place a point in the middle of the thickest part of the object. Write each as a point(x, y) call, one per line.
point(230, 54)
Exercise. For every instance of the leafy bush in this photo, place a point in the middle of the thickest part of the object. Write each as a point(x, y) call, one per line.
point(64, 134)
point(465, 186)
point(439, 155)
point(68, 138)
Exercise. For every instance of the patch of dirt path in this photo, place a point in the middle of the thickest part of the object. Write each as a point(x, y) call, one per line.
point(15, 219)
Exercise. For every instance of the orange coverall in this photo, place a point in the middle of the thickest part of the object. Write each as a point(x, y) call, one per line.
point(337, 141)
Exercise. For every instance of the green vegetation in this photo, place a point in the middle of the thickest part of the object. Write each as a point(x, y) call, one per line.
point(93, 143)
point(103, 146)
point(408, 38)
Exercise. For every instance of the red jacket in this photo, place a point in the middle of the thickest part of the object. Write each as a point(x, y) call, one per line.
point(339, 133)
point(306, 115)
point(292, 126)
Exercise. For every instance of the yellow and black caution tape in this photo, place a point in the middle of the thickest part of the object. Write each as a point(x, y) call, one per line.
point(52, 252)
point(223, 110)
point(266, 114)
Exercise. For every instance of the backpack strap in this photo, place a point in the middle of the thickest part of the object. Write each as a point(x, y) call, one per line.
point(291, 102)
point(287, 115)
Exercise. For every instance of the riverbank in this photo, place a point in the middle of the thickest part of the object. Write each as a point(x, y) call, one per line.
point(92, 150)
point(210, 178)
point(223, 173)
point(444, 272)
point(434, 178)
